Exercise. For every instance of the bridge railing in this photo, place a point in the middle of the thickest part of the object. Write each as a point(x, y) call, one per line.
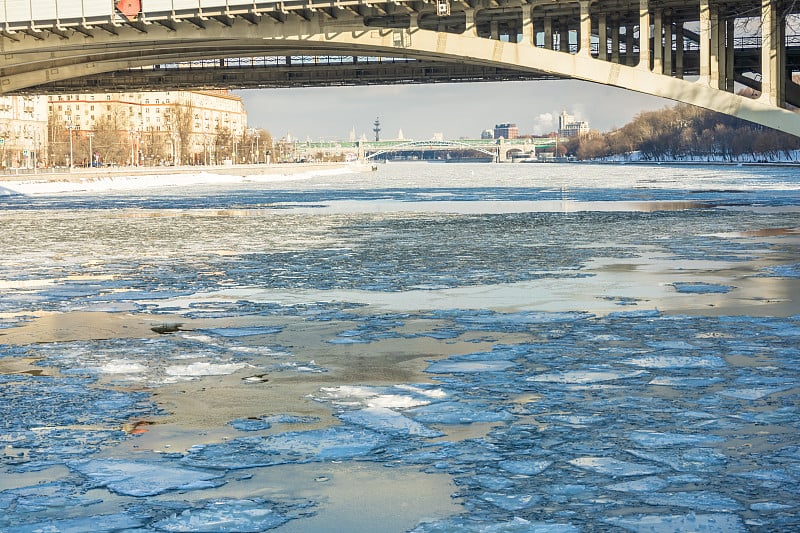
point(259, 62)
point(19, 15)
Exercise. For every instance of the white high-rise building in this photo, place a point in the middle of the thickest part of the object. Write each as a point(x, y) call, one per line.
point(569, 127)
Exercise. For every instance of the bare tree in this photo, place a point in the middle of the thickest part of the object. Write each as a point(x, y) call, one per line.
point(180, 122)
point(223, 144)
point(110, 142)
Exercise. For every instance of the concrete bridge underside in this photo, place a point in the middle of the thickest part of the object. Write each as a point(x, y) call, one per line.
point(641, 45)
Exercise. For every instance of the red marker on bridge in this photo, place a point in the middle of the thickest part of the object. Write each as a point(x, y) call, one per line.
point(130, 8)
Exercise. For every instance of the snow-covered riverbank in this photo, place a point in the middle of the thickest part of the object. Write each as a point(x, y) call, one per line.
point(83, 180)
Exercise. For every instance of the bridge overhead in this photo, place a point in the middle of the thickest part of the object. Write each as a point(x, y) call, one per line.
point(690, 51)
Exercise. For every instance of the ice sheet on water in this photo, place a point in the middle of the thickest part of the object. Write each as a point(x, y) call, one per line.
point(702, 288)
point(132, 295)
point(699, 500)
point(671, 345)
point(227, 516)
point(258, 423)
point(52, 419)
point(645, 484)
point(511, 502)
point(770, 506)
point(699, 523)
point(385, 420)
point(310, 367)
point(474, 525)
point(691, 460)
point(790, 270)
point(753, 393)
point(110, 523)
point(250, 424)
point(677, 361)
point(244, 331)
point(456, 366)
point(686, 381)
point(459, 413)
point(330, 444)
point(584, 376)
point(525, 467)
point(638, 313)
point(483, 320)
point(203, 369)
point(142, 478)
point(20, 503)
point(615, 467)
point(396, 397)
point(660, 439)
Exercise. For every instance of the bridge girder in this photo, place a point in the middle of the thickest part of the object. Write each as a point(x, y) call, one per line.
point(489, 35)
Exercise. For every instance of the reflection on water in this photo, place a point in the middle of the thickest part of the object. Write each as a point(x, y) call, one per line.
point(427, 347)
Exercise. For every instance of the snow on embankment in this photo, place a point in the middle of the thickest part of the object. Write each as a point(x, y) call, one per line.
point(66, 183)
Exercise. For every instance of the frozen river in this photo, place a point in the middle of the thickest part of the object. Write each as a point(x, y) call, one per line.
point(427, 348)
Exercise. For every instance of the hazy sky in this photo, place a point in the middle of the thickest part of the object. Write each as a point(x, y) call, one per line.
point(452, 109)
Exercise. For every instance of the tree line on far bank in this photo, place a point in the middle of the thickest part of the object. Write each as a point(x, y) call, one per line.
point(686, 132)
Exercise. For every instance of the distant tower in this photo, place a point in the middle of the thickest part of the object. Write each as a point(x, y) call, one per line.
point(377, 129)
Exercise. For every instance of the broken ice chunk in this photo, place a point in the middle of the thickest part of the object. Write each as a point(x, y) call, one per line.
point(645, 484)
point(701, 288)
point(203, 369)
point(755, 393)
point(677, 361)
point(615, 467)
point(583, 376)
point(387, 421)
point(511, 502)
point(96, 524)
point(226, 516)
point(134, 478)
point(244, 332)
point(664, 439)
point(250, 424)
point(698, 500)
point(458, 413)
point(330, 444)
point(526, 467)
point(729, 523)
point(685, 381)
point(450, 366)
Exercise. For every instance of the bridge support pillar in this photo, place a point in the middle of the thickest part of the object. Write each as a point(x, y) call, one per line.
point(716, 68)
point(615, 41)
point(679, 50)
point(471, 27)
point(668, 40)
point(705, 42)
point(644, 34)
point(602, 38)
point(658, 42)
point(630, 59)
point(772, 47)
point(548, 33)
point(563, 35)
point(585, 30)
point(528, 35)
point(729, 29)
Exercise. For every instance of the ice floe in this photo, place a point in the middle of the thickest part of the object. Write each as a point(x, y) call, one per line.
point(140, 479)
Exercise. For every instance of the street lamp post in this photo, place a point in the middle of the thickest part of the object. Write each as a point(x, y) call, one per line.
point(91, 152)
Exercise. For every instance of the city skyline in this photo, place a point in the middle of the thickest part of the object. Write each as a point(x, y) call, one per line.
point(455, 110)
